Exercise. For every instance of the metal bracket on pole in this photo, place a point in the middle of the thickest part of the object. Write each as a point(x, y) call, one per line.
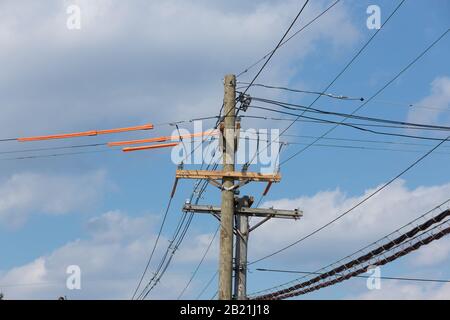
point(175, 183)
point(217, 184)
point(260, 223)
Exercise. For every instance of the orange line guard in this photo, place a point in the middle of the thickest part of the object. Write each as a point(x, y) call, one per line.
point(154, 146)
point(85, 133)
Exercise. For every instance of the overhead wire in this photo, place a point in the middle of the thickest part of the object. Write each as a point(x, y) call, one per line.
point(350, 126)
point(177, 238)
point(200, 263)
point(320, 121)
point(350, 62)
point(154, 247)
point(412, 234)
point(329, 95)
point(378, 92)
point(142, 294)
point(380, 262)
point(207, 285)
point(288, 39)
point(297, 107)
point(359, 276)
point(275, 49)
point(408, 105)
point(359, 203)
point(374, 243)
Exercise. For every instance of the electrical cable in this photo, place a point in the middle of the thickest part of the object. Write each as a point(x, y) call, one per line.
point(330, 95)
point(199, 264)
point(409, 236)
point(275, 49)
point(376, 93)
point(354, 206)
point(349, 63)
point(154, 247)
point(364, 277)
point(289, 38)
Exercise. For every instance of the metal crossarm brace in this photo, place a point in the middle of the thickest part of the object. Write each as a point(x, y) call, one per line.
point(254, 212)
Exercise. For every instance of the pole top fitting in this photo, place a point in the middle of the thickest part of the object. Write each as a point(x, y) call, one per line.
point(230, 80)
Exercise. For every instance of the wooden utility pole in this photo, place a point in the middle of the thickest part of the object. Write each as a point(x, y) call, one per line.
point(242, 230)
point(240, 256)
point(227, 207)
point(232, 207)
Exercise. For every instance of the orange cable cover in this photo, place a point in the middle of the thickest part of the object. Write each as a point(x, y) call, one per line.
point(85, 133)
point(154, 146)
point(161, 139)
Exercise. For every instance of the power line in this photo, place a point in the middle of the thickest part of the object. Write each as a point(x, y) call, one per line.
point(154, 246)
point(416, 232)
point(207, 285)
point(330, 95)
point(353, 207)
point(177, 238)
point(346, 125)
point(200, 263)
point(352, 146)
point(161, 268)
point(276, 48)
point(55, 148)
point(411, 106)
point(292, 106)
point(289, 38)
point(363, 148)
point(164, 264)
point(154, 125)
point(322, 121)
point(348, 64)
point(359, 276)
point(376, 243)
point(56, 155)
point(364, 140)
point(380, 262)
point(160, 124)
point(376, 93)
point(408, 105)
point(174, 237)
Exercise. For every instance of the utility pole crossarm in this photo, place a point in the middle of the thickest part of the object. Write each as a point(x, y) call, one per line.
point(253, 212)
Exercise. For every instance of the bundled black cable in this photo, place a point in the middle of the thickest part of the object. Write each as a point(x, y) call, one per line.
point(366, 257)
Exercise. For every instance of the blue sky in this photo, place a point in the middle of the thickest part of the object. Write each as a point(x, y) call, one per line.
point(159, 62)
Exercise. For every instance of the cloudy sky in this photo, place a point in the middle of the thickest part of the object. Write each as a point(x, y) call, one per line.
point(141, 62)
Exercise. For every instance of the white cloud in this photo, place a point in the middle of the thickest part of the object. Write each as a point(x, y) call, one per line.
point(24, 194)
point(379, 216)
point(384, 213)
point(111, 259)
point(436, 102)
point(433, 254)
point(393, 290)
point(146, 61)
